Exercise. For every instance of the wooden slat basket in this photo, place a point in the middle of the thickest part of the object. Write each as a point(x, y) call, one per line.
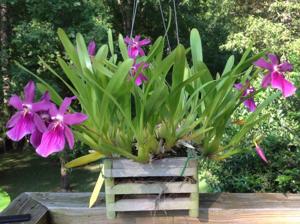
point(164, 185)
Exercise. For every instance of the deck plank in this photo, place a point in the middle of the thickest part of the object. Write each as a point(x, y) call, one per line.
point(216, 208)
point(25, 204)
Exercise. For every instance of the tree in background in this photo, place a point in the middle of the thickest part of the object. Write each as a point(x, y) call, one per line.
point(272, 25)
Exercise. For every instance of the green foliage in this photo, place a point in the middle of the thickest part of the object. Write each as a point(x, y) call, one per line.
point(33, 32)
point(233, 24)
point(4, 200)
point(249, 174)
point(275, 28)
point(157, 117)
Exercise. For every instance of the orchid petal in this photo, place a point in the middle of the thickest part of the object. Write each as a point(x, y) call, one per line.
point(127, 40)
point(137, 38)
point(139, 80)
point(53, 110)
point(65, 104)
point(39, 123)
point(75, 118)
point(24, 126)
point(273, 58)
point(250, 104)
point(279, 82)
point(46, 96)
point(52, 141)
point(14, 119)
point(69, 136)
point(92, 48)
point(144, 42)
point(141, 52)
point(43, 105)
point(35, 138)
point(286, 67)
point(133, 52)
point(266, 81)
point(238, 86)
point(16, 102)
point(29, 92)
point(262, 63)
point(261, 153)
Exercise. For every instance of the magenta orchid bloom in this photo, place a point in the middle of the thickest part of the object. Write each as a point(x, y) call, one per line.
point(92, 48)
point(247, 91)
point(53, 140)
point(140, 77)
point(36, 136)
point(26, 120)
point(260, 152)
point(275, 76)
point(135, 46)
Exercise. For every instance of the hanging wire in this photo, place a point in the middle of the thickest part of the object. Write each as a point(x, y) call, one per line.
point(164, 24)
point(176, 23)
point(135, 5)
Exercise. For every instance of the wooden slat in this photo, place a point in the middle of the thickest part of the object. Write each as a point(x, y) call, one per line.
point(178, 162)
point(24, 204)
point(109, 183)
point(219, 208)
point(152, 204)
point(149, 172)
point(154, 188)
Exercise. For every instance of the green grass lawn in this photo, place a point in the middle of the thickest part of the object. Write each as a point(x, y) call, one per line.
point(27, 172)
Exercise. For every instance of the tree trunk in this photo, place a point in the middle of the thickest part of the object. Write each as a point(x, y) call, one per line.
point(125, 7)
point(5, 79)
point(64, 177)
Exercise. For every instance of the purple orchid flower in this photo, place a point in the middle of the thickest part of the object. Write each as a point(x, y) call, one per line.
point(36, 136)
point(275, 76)
point(260, 152)
point(26, 120)
point(247, 91)
point(92, 48)
point(140, 77)
point(53, 140)
point(135, 46)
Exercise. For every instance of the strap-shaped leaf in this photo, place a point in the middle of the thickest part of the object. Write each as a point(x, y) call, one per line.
point(229, 65)
point(69, 47)
point(52, 91)
point(110, 42)
point(156, 50)
point(101, 54)
point(252, 119)
point(96, 191)
point(196, 46)
point(123, 47)
point(84, 57)
point(55, 97)
point(83, 160)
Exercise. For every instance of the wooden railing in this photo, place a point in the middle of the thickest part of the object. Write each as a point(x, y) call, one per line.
point(71, 208)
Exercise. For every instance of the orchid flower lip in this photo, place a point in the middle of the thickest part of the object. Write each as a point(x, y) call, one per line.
point(27, 106)
point(58, 117)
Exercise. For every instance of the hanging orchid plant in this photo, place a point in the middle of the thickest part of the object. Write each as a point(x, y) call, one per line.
point(129, 108)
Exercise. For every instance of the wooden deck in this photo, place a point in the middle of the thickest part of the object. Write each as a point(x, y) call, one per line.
point(71, 208)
